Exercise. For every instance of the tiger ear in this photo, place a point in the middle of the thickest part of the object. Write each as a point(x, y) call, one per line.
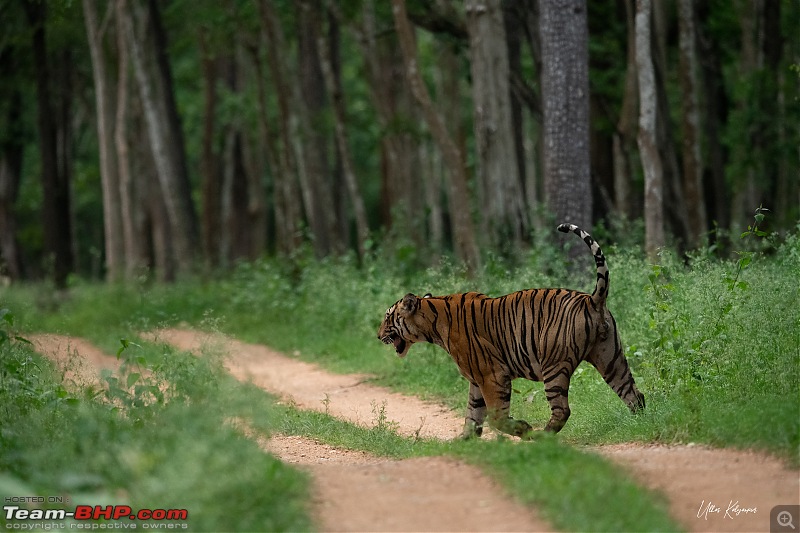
point(409, 305)
point(428, 295)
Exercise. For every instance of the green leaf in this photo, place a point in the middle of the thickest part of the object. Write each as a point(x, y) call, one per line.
point(133, 377)
point(125, 343)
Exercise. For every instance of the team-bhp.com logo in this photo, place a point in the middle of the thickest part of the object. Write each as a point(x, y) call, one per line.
point(17, 518)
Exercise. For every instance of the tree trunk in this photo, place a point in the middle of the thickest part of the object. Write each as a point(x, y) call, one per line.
point(715, 103)
point(109, 177)
point(397, 119)
point(463, 228)
point(132, 205)
point(502, 198)
point(624, 139)
point(692, 163)
point(210, 168)
point(313, 156)
point(287, 204)
point(565, 101)
point(165, 140)
point(11, 152)
point(56, 212)
point(340, 115)
point(651, 160)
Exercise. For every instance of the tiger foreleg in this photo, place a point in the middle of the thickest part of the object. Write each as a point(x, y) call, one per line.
point(498, 400)
point(476, 413)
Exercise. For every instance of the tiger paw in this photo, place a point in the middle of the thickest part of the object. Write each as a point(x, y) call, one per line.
point(471, 431)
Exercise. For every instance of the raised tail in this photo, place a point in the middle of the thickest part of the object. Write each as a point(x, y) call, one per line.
point(601, 287)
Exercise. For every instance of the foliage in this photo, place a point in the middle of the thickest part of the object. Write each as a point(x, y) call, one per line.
point(712, 343)
point(129, 443)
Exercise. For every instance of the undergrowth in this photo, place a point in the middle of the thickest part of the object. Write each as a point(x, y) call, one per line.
point(140, 440)
point(713, 344)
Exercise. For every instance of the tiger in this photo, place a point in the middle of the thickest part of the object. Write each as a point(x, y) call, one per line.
point(537, 334)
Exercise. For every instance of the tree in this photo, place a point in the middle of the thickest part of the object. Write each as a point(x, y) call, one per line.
point(311, 145)
point(105, 112)
point(145, 40)
point(651, 160)
point(692, 163)
point(502, 196)
point(334, 88)
point(565, 102)
point(287, 203)
point(460, 212)
point(624, 139)
point(56, 215)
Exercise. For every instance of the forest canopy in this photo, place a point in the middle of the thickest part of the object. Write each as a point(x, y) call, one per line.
point(172, 136)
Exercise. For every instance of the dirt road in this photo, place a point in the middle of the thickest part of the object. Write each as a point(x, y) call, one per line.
point(708, 489)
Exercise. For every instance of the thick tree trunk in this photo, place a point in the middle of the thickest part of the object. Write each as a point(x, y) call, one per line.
point(651, 160)
point(498, 176)
point(460, 212)
point(165, 140)
point(565, 101)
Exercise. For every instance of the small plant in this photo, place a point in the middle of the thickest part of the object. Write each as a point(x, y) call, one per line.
point(382, 422)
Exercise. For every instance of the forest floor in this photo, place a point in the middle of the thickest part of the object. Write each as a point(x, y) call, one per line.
point(708, 489)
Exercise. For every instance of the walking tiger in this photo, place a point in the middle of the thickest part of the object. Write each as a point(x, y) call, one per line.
point(537, 334)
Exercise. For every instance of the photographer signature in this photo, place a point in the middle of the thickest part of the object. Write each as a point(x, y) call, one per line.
point(732, 511)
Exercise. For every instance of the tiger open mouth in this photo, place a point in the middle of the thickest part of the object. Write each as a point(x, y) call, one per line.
point(400, 344)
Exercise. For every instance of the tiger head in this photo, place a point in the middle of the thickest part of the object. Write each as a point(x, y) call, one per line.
point(399, 326)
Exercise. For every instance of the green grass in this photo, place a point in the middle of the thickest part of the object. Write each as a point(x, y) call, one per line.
point(713, 345)
point(140, 446)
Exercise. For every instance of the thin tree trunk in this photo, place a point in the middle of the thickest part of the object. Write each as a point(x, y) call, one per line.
point(340, 115)
point(212, 186)
point(715, 102)
point(56, 212)
point(463, 228)
point(109, 177)
point(130, 193)
point(11, 152)
point(315, 171)
point(288, 208)
point(651, 160)
point(624, 139)
point(692, 163)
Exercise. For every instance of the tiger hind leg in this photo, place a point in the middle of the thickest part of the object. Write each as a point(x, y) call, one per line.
point(556, 389)
point(609, 359)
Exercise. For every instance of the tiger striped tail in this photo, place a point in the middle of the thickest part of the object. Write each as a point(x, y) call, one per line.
point(601, 287)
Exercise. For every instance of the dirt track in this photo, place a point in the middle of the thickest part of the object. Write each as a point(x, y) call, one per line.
point(357, 492)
